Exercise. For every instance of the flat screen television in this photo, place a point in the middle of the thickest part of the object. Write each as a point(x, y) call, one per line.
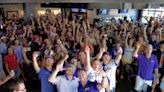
point(74, 9)
point(102, 11)
point(123, 10)
point(82, 10)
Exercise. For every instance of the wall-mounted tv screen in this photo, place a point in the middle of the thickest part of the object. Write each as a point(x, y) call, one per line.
point(74, 9)
point(102, 11)
point(79, 10)
point(82, 10)
point(123, 10)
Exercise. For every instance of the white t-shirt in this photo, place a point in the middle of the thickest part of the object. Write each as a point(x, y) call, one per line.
point(92, 76)
point(110, 70)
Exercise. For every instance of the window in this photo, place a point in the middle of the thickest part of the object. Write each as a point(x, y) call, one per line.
point(157, 12)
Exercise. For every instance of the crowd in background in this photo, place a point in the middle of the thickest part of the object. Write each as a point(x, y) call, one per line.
point(58, 54)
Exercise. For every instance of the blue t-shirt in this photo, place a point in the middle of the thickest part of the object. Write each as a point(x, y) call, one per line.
point(89, 87)
point(114, 52)
point(45, 85)
point(146, 66)
point(18, 52)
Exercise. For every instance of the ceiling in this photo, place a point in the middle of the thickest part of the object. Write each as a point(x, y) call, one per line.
point(92, 4)
point(83, 1)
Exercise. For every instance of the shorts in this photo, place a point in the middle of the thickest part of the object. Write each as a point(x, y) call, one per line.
point(142, 84)
point(113, 90)
point(125, 60)
point(162, 85)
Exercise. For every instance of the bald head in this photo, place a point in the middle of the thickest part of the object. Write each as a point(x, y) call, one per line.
point(148, 49)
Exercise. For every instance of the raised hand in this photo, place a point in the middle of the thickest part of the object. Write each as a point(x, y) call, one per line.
point(35, 54)
point(78, 25)
point(119, 51)
point(12, 73)
point(102, 49)
point(59, 42)
point(103, 74)
point(66, 57)
point(84, 25)
point(24, 28)
point(138, 45)
point(128, 34)
point(59, 66)
point(87, 49)
point(73, 22)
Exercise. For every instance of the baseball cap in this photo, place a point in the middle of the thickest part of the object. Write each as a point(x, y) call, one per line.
point(49, 57)
point(107, 53)
point(70, 66)
point(35, 37)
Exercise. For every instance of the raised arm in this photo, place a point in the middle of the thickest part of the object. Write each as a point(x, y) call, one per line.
point(113, 25)
point(25, 31)
point(160, 34)
point(87, 51)
point(126, 39)
point(85, 28)
point(62, 47)
point(81, 42)
point(27, 61)
point(99, 55)
point(52, 78)
point(119, 55)
point(35, 63)
point(104, 82)
point(77, 33)
point(88, 24)
point(74, 28)
point(145, 34)
point(5, 79)
point(135, 53)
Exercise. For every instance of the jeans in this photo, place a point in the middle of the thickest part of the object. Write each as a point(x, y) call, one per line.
point(113, 90)
point(17, 72)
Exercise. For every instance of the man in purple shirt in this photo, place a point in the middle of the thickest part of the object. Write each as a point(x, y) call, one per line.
point(147, 63)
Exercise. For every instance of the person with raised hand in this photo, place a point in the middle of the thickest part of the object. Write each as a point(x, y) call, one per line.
point(87, 86)
point(44, 72)
point(127, 56)
point(147, 64)
point(94, 71)
point(110, 65)
point(67, 82)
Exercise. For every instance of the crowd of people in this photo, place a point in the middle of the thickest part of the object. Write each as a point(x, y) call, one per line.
point(57, 54)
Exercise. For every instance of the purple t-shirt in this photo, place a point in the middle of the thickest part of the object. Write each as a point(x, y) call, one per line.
point(146, 66)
